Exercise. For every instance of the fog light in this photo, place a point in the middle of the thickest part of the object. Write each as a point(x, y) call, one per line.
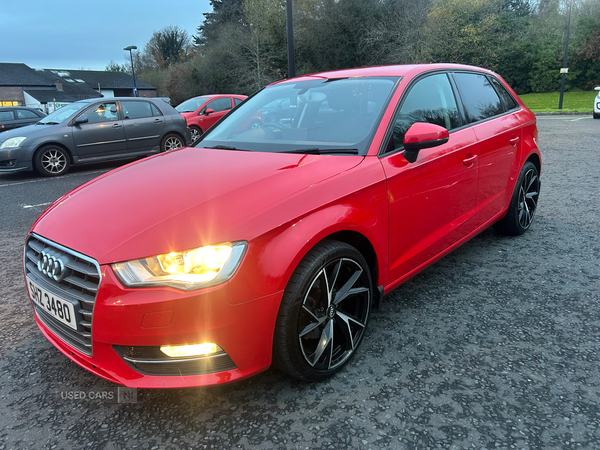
point(174, 351)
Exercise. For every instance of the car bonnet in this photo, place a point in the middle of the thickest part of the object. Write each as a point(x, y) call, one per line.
point(185, 199)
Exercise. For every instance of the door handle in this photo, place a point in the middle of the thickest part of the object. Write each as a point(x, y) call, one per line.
point(157, 120)
point(117, 125)
point(470, 160)
point(513, 141)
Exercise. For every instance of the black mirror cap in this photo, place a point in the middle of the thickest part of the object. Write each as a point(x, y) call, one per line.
point(80, 119)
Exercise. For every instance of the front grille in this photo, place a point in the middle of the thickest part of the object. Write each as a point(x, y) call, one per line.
point(151, 361)
point(77, 285)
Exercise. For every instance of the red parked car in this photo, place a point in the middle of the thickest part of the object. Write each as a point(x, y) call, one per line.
point(203, 112)
point(273, 244)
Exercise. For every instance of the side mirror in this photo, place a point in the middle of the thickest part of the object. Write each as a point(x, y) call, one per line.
point(81, 119)
point(423, 135)
point(208, 111)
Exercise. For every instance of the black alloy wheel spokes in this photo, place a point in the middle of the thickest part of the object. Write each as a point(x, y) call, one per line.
point(528, 198)
point(334, 314)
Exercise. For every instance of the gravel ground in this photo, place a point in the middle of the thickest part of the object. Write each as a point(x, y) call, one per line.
point(495, 346)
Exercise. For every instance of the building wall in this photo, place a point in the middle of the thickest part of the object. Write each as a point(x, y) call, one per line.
point(12, 94)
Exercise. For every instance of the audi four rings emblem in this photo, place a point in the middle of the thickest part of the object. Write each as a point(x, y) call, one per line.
point(51, 266)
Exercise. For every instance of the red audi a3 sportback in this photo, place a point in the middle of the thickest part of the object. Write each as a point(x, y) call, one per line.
point(272, 244)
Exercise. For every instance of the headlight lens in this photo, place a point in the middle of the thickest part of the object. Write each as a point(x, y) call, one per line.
point(193, 269)
point(13, 142)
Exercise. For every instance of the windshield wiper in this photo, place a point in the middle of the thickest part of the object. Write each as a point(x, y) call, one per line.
point(227, 147)
point(48, 123)
point(322, 151)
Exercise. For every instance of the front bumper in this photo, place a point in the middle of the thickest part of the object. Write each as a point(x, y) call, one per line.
point(129, 325)
point(13, 160)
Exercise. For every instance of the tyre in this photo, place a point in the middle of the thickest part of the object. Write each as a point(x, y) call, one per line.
point(255, 124)
point(324, 312)
point(596, 115)
point(171, 142)
point(196, 133)
point(523, 203)
point(51, 161)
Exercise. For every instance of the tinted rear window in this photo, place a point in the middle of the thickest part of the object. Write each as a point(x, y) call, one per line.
point(479, 97)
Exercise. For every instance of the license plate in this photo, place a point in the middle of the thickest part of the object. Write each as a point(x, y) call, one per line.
point(60, 309)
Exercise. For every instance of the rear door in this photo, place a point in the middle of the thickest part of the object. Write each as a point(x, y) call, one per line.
point(143, 124)
point(431, 200)
point(102, 135)
point(487, 106)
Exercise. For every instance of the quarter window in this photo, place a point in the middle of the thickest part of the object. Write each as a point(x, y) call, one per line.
point(237, 101)
point(508, 99)
point(431, 100)
point(479, 97)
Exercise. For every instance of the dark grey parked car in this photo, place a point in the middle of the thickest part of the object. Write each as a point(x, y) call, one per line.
point(18, 116)
point(93, 130)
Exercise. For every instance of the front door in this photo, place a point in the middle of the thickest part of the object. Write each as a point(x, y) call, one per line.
point(432, 200)
point(102, 135)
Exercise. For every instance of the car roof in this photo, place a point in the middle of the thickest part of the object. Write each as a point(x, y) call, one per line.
point(405, 70)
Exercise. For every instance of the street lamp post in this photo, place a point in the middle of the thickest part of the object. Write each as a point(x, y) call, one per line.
point(290, 39)
point(132, 47)
point(564, 69)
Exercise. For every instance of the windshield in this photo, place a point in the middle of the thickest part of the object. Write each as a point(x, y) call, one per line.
point(312, 116)
point(191, 105)
point(62, 114)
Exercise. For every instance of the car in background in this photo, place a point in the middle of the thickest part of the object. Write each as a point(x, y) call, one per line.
point(207, 264)
point(18, 116)
point(279, 109)
point(596, 112)
point(93, 130)
point(203, 112)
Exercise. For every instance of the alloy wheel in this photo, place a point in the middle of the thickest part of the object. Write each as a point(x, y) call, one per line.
point(172, 143)
point(334, 314)
point(54, 161)
point(528, 197)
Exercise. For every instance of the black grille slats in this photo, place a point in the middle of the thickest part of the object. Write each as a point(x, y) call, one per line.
point(79, 285)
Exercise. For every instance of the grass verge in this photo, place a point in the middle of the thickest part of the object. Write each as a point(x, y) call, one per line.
point(580, 101)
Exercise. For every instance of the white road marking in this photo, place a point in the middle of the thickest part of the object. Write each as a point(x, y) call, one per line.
point(46, 179)
point(35, 206)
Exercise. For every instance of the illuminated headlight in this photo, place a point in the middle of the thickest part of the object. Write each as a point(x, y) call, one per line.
point(193, 269)
point(13, 142)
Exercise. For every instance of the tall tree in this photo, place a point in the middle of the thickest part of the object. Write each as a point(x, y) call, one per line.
point(167, 46)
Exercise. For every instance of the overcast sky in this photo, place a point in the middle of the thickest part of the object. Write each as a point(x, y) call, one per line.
point(84, 34)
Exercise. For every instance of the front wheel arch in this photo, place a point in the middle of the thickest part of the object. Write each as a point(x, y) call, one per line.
point(324, 312)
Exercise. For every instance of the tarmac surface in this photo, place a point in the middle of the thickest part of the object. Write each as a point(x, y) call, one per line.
point(496, 346)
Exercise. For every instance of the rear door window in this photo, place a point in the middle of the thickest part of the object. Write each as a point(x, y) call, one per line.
point(479, 97)
point(136, 110)
point(220, 104)
point(6, 115)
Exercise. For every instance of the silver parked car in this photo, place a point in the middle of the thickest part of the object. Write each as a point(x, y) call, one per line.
point(596, 112)
point(93, 130)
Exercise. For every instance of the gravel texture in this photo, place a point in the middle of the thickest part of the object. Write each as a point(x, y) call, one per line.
point(496, 346)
